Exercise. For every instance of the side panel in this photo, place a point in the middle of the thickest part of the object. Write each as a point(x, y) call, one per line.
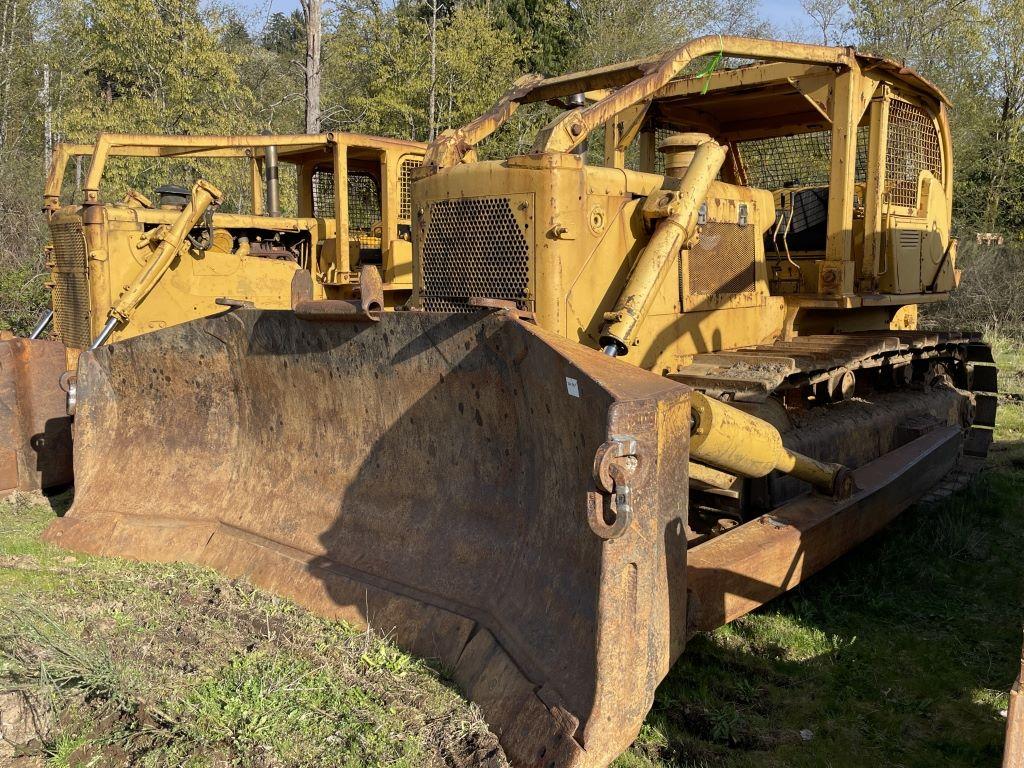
point(34, 427)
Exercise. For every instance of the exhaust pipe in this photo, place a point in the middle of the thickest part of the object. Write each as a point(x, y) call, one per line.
point(272, 183)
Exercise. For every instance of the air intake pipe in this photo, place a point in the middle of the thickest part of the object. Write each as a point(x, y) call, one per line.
point(676, 213)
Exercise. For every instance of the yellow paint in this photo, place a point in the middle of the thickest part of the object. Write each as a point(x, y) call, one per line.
point(145, 273)
point(586, 228)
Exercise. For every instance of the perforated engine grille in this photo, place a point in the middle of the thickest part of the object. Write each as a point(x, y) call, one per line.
point(912, 147)
point(473, 247)
point(71, 310)
point(722, 261)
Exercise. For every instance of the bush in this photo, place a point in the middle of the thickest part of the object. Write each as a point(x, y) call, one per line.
point(991, 293)
point(23, 274)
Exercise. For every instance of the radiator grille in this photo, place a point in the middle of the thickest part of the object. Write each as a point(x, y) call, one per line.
point(474, 247)
point(912, 147)
point(722, 260)
point(71, 308)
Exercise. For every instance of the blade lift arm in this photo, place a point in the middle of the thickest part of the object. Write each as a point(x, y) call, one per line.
point(172, 240)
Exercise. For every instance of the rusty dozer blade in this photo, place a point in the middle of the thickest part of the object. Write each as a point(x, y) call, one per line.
point(34, 426)
point(502, 500)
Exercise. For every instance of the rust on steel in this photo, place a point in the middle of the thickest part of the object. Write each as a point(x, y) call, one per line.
point(636, 81)
point(34, 424)
point(486, 547)
point(729, 576)
point(366, 308)
point(504, 498)
point(451, 145)
point(1013, 754)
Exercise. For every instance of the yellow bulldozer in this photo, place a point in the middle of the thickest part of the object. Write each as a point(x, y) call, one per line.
point(655, 371)
point(126, 267)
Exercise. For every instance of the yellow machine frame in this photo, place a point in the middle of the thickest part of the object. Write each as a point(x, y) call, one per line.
point(886, 246)
point(100, 248)
point(636, 404)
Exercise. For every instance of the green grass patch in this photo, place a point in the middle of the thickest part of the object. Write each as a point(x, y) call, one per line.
point(173, 665)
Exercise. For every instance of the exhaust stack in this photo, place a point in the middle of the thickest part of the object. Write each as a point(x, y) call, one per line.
point(270, 167)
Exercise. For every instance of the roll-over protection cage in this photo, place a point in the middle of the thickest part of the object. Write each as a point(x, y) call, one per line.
point(357, 208)
point(874, 126)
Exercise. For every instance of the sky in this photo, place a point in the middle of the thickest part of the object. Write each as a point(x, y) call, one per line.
point(788, 20)
point(783, 14)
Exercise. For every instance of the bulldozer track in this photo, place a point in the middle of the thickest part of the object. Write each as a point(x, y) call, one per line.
point(833, 367)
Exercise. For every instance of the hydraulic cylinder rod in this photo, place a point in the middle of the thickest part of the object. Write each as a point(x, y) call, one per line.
point(41, 326)
point(673, 233)
point(203, 195)
point(737, 442)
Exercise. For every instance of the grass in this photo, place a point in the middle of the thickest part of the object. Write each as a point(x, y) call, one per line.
point(901, 654)
point(155, 665)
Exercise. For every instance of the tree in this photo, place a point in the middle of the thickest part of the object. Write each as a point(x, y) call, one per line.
point(546, 32)
point(312, 11)
point(1004, 161)
point(831, 20)
point(284, 33)
point(398, 72)
point(611, 31)
point(952, 41)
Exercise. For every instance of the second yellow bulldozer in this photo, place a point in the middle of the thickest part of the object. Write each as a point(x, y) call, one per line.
point(642, 387)
point(303, 213)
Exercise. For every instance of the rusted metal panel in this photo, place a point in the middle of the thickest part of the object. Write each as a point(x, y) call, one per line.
point(36, 431)
point(432, 475)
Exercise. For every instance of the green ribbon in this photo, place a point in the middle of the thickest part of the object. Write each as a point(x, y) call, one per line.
point(712, 65)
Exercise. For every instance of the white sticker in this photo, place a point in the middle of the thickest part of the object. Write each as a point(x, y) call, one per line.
point(572, 386)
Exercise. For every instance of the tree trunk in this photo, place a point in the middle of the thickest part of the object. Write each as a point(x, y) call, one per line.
point(8, 29)
point(313, 10)
point(47, 120)
point(433, 71)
